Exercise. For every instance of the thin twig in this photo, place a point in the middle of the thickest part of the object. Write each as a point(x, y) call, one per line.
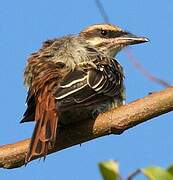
point(132, 175)
point(102, 11)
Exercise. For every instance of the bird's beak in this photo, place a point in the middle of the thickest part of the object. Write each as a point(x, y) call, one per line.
point(130, 39)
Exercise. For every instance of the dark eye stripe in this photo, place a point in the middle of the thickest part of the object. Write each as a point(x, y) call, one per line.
point(120, 33)
point(113, 34)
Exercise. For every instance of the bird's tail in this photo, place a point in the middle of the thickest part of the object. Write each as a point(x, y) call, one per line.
point(44, 135)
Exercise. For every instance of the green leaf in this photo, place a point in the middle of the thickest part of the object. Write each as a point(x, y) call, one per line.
point(170, 169)
point(109, 170)
point(156, 173)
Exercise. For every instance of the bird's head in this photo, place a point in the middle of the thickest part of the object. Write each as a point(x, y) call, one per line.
point(109, 39)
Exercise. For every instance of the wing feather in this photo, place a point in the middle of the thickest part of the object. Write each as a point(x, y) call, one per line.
point(83, 86)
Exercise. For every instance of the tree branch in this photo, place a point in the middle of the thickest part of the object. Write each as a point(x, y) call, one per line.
point(112, 122)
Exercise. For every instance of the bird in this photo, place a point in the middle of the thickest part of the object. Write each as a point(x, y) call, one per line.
point(72, 79)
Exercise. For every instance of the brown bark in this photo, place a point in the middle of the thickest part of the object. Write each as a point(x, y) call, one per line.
point(112, 122)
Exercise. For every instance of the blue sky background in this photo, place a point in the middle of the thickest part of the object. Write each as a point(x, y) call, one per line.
point(24, 25)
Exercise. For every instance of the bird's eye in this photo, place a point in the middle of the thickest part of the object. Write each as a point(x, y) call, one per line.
point(104, 32)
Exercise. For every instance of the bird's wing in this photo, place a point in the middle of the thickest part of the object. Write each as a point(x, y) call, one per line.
point(90, 83)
